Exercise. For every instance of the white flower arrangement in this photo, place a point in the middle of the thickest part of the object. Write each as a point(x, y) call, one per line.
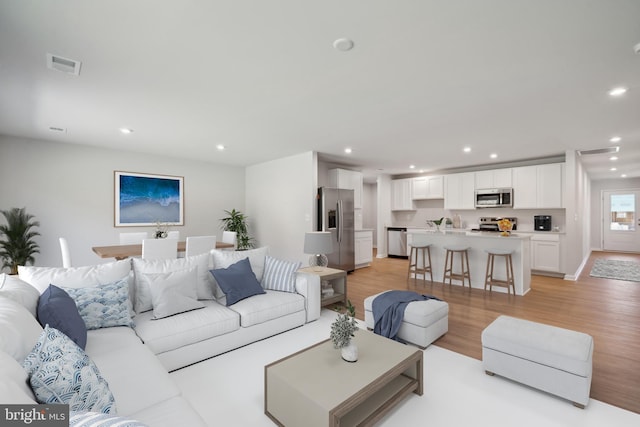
point(344, 327)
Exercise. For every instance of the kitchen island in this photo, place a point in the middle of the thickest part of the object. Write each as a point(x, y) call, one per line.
point(478, 243)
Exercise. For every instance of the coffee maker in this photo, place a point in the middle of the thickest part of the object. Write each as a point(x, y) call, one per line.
point(542, 222)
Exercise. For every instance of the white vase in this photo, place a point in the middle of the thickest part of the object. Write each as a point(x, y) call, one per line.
point(350, 352)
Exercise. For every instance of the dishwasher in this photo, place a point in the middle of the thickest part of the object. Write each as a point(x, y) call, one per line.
point(397, 242)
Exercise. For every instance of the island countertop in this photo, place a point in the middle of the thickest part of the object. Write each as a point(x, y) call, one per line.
point(478, 243)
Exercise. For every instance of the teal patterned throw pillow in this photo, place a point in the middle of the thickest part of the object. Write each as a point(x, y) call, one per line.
point(61, 372)
point(103, 306)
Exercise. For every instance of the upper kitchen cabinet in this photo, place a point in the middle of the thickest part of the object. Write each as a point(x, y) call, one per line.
point(538, 186)
point(459, 191)
point(351, 180)
point(427, 187)
point(495, 178)
point(401, 199)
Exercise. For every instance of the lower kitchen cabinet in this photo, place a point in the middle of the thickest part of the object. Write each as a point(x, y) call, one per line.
point(545, 253)
point(363, 248)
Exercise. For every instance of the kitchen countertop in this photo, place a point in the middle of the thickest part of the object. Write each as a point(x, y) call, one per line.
point(466, 233)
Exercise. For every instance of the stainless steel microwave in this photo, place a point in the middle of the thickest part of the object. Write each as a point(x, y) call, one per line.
point(494, 198)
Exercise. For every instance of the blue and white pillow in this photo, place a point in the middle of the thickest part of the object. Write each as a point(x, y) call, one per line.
point(61, 372)
point(103, 306)
point(280, 275)
point(96, 419)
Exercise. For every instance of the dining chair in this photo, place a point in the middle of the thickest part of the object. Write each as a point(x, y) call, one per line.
point(66, 254)
point(173, 235)
point(159, 248)
point(133, 238)
point(230, 237)
point(196, 245)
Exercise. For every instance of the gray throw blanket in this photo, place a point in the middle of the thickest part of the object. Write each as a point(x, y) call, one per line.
point(388, 311)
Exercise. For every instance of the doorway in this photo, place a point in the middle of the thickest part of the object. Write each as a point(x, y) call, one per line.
point(621, 221)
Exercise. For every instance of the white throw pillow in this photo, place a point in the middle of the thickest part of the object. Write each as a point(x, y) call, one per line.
point(204, 285)
point(280, 275)
point(12, 371)
point(19, 291)
point(174, 292)
point(19, 330)
point(224, 259)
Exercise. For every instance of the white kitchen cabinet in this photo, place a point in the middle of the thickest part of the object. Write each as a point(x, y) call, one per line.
point(494, 178)
point(459, 191)
point(545, 252)
point(427, 187)
point(401, 195)
point(352, 180)
point(538, 186)
point(363, 248)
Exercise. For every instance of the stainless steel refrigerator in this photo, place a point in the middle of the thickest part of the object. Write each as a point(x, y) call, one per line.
point(336, 215)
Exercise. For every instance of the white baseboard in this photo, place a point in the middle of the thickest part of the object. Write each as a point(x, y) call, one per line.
point(575, 276)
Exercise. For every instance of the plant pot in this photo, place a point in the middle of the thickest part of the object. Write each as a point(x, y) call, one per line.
point(350, 352)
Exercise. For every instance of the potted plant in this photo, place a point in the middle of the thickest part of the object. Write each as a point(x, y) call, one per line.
point(342, 330)
point(237, 221)
point(17, 246)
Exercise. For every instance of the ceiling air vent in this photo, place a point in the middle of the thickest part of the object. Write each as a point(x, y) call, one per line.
point(607, 150)
point(66, 65)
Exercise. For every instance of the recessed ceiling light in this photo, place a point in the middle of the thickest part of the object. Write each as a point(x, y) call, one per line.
point(126, 131)
point(421, 170)
point(220, 147)
point(467, 149)
point(493, 156)
point(348, 150)
point(615, 139)
point(613, 158)
point(613, 169)
point(618, 91)
point(343, 44)
point(624, 175)
point(412, 166)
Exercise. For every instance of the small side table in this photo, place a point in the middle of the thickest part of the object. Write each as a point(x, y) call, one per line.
point(331, 277)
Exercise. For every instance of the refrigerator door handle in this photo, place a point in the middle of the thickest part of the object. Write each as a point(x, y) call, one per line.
point(340, 220)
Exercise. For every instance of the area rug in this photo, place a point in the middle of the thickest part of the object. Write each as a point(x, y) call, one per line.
point(615, 269)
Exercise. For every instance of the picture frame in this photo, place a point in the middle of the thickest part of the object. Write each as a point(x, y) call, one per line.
point(142, 199)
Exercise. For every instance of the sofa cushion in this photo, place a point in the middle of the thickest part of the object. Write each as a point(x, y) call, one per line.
point(19, 330)
point(268, 306)
point(75, 277)
point(280, 275)
point(103, 306)
point(98, 419)
point(173, 412)
point(58, 310)
point(20, 291)
point(193, 326)
point(143, 300)
point(106, 340)
point(173, 292)
point(61, 372)
point(224, 258)
point(237, 281)
point(12, 371)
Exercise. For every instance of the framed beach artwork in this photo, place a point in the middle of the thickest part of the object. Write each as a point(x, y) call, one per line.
point(144, 200)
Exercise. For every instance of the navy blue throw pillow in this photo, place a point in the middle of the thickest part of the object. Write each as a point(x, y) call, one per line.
point(237, 281)
point(58, 310)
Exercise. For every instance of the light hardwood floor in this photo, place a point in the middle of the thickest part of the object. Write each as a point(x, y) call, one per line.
point(608, 310)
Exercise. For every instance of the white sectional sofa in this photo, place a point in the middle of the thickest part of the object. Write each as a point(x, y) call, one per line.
point(135, 360)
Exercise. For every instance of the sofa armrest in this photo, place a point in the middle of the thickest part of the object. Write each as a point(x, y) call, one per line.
point(309, 287)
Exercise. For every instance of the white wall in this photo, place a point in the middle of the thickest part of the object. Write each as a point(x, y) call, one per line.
point(281, 203)
point(575, 247)
point(69, 188)
point(384, 213)
point(370, 209)
point(597, 187)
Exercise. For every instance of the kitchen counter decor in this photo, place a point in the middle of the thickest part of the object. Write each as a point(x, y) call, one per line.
point(505, 227)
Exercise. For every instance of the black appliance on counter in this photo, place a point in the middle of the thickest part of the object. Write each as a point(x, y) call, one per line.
point(491, 224)
point(542, 222)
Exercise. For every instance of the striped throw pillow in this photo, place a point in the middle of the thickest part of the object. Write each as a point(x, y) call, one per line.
point(280, 275)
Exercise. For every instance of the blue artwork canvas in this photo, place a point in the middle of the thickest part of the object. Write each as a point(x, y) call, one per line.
point(143, 199)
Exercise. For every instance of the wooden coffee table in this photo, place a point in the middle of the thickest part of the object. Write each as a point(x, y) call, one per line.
point(315, 387)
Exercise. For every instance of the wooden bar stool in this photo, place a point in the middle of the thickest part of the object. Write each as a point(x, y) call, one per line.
point(490, 280)
point(464, 265)
point(417, 268)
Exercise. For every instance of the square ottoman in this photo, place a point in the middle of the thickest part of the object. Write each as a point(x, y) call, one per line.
point(552, 359)
point(423, 323)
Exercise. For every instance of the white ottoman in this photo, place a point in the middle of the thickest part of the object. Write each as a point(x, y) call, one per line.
point(552, 359)
point(423, 323)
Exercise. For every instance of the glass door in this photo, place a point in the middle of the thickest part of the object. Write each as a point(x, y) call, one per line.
point(621, 228)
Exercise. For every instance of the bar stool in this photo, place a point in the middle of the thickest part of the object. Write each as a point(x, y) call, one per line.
point(464, 265)
point(415, 267)
point(490, 280)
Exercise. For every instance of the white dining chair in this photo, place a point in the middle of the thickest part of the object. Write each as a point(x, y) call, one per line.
point(159, 248)
point(133, 238)
point(196, 245)
point(230, 237)
point(173, 235)
point(66, 254)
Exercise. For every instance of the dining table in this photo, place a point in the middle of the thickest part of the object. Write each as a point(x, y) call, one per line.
point(126, 251)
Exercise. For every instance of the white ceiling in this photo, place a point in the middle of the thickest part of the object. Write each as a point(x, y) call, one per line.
point(524, 79)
